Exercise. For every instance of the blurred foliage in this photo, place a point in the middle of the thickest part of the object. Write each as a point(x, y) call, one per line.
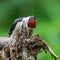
point(47, 13)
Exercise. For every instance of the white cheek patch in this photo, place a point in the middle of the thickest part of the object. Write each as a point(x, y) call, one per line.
point(25, 20)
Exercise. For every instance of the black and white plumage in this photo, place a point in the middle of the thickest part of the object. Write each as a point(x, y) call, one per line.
point(22, 23)
point(14, 25)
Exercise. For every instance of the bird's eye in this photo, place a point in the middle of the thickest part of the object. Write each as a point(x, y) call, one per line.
point(32, 23)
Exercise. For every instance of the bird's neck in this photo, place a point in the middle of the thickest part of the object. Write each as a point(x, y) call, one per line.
point(14, 36)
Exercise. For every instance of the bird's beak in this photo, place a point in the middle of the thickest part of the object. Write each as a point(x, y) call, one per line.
point(29, 33)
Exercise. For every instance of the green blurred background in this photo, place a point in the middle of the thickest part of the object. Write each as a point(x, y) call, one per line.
point(47, 13)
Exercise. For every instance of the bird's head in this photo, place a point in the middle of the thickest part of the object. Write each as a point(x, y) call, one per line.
point(32, 22)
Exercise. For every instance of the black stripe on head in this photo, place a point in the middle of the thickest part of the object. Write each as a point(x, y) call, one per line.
point(14, 25)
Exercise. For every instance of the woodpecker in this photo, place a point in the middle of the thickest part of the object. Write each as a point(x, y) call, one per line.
point(26, 24)
point(23, 25)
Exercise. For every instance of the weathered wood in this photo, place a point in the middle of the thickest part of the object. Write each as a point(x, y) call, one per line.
point(37, 44)
point(27, 49)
